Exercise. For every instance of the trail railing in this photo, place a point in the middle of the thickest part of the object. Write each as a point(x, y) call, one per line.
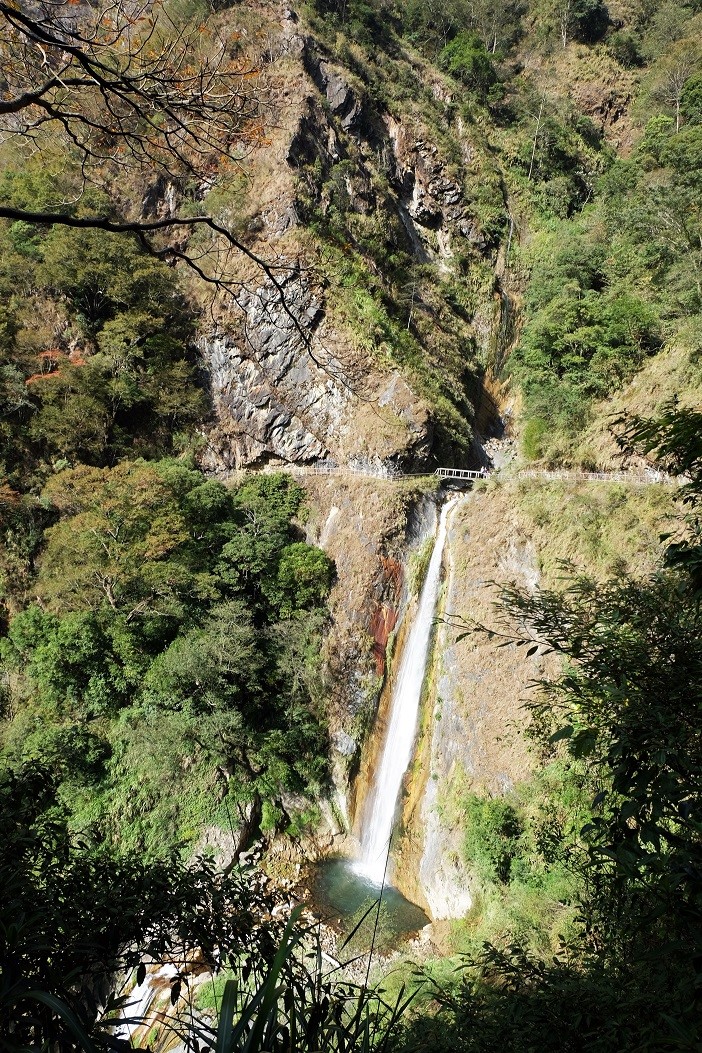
point(383, 473)
point(634, 478)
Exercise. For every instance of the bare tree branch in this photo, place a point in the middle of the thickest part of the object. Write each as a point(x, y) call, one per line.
point(124, 87)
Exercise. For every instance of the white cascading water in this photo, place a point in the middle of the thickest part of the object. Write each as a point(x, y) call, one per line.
point(381, 804)
point(137, 1010)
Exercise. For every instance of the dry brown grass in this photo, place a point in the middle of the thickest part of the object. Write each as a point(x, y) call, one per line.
point(669, 375)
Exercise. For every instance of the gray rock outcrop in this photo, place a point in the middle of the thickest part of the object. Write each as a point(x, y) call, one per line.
point(276, 391)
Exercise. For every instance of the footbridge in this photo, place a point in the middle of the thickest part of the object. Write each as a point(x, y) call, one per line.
point(462, 475)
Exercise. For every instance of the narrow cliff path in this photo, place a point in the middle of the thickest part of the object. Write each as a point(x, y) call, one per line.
point(466, 476)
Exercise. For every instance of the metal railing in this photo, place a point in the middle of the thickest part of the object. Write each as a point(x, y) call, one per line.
point(461, 473)
point(635, 478)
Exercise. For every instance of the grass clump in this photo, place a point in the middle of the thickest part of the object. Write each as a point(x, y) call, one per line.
point(602, 528)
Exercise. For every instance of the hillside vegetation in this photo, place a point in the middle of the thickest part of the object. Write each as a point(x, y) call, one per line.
point(497, 197)
point(591, 118)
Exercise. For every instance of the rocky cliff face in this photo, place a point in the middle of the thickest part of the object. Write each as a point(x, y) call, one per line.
point(472, 737)
point(273, 396)
point(282, 396)
point(368, 529)
point(312, 375)
point(355, 365)
point(428, 200)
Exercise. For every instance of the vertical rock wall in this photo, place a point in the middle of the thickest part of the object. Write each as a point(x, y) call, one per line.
point(473, 729)
point(369, 529)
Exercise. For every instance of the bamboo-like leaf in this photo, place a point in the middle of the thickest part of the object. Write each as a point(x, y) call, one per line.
point(225, 1025)
point(254, 1030)
point(66, 1014)
point(270, 989)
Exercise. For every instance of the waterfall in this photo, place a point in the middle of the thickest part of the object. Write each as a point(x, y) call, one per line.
point(138, 1011)
point(381, 804)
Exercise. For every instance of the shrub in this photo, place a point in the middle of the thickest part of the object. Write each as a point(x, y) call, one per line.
point(492, 831)
point(691, 99)
point(590, 19)
point(466, 59)
point(625, 47)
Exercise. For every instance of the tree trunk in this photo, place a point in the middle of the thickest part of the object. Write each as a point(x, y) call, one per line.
point(536, 137)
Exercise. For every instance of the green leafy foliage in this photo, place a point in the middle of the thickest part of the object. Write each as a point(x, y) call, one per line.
point(294, 1005)
point(466, 59)
point(675, 438)
point(168, 675)
point(362, 20)
point(625, 46)
point(586, 334)
point(588, 18)
point(625, 712)
point(691, 99)
point(166, 594)
point(492, 829)
point(587, 340)
point(521, 850)
point(110, 373)
point(610, 286)
point(74, 915)
point(435, 23)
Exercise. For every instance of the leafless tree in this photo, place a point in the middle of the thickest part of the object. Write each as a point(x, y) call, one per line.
point(680, 67)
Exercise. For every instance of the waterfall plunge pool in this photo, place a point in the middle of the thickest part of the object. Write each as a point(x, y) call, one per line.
point(340, 896)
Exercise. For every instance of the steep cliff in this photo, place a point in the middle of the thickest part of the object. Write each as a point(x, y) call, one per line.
point(474, 738)
point(376, 351)
point(411, 212)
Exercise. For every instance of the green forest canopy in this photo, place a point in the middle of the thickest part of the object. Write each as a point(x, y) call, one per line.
point(175, 636)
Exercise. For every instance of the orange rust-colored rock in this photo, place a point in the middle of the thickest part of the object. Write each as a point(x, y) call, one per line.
point(392, 574)
point(383, 621)
point(383, 618)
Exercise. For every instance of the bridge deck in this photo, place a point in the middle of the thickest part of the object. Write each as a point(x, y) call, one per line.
point(461, 473)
